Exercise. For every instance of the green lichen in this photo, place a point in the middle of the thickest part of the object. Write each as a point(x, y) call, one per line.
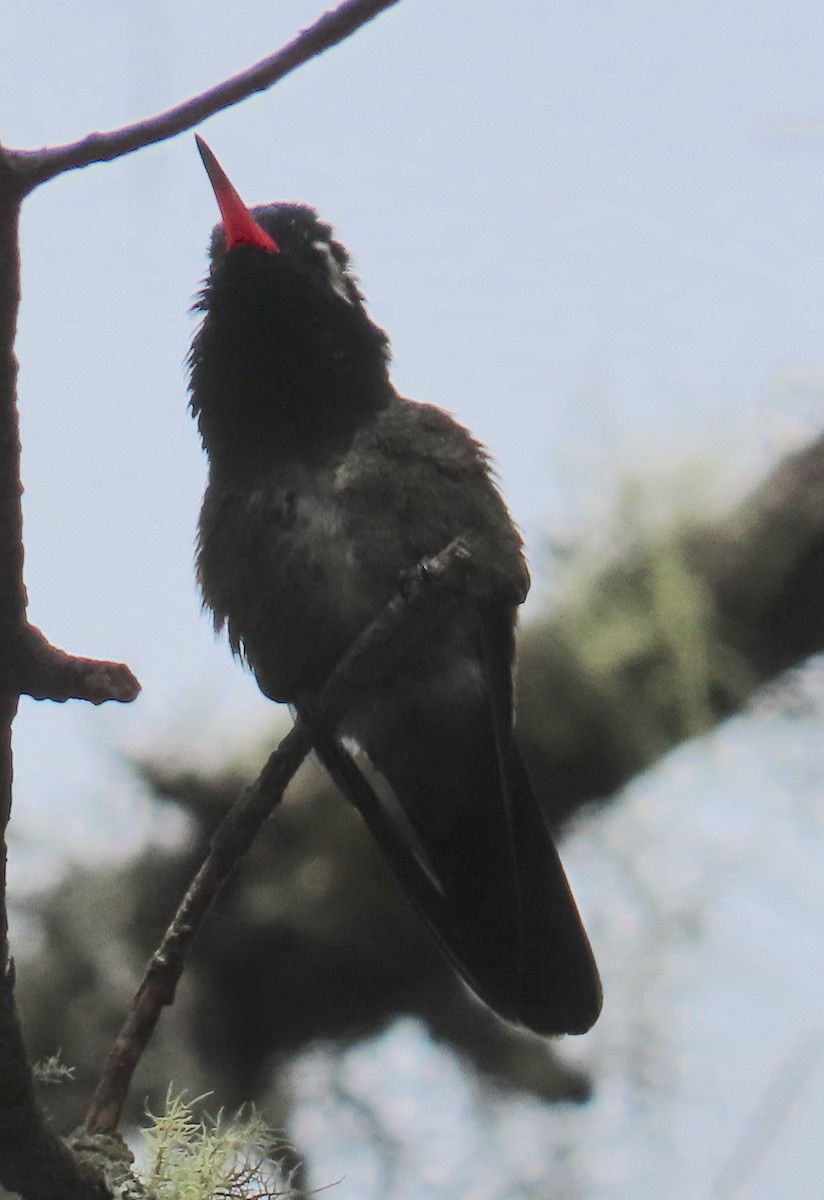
point(191, 1157)
point(645, 632)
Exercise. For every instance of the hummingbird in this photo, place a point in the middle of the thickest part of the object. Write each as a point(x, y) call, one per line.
point(326, 488)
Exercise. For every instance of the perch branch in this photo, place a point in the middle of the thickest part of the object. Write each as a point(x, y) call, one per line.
point(33, 167)
point(436, 585)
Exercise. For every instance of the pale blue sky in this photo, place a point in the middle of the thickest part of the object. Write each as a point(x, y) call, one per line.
point(595, 232)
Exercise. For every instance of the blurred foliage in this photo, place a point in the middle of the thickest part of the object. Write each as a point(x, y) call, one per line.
point(632, 660)
point(310, 941)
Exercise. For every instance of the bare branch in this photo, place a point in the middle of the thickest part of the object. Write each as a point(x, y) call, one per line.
point(33, 1159)
point(68, 677)
point(12, 592)
point(33, 667)
point(35, 167)
point(437, 584)
point(35, 1162)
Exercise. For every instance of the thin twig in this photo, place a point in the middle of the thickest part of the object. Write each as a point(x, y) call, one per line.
point(437, 584)
point(33, 167)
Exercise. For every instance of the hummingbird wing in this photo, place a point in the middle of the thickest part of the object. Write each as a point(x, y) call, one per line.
point(559, 983)
point(469, 846)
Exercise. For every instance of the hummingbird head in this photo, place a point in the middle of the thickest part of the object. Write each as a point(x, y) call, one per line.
point(294, 232)
point(286, 352)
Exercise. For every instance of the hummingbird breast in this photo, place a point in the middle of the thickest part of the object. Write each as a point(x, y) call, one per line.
point(278, 568)
point(298, 554)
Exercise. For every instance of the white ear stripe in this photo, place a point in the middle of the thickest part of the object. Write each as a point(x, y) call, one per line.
point(337, 276)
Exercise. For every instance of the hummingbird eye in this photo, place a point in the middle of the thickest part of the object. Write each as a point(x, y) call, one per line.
point(334, 272)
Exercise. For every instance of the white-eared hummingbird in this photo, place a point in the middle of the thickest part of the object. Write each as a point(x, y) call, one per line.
point(325, 487)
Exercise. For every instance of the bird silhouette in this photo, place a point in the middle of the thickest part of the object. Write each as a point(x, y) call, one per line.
point(325, 488)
